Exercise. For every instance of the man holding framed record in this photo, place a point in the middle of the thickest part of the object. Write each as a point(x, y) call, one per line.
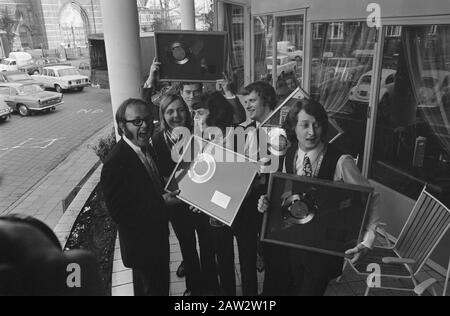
point(291, 271)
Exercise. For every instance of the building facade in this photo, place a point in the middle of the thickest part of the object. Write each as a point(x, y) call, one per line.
point(48, 24)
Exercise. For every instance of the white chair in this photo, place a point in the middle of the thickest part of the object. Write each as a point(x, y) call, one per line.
point(427, 224)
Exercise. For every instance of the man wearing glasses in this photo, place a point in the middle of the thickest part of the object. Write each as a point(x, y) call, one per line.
point(135, 197)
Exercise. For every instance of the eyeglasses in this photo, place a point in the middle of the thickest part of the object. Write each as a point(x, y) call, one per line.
point(139, 122)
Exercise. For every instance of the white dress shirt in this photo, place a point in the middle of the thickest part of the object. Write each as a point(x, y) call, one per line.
point(346, 171)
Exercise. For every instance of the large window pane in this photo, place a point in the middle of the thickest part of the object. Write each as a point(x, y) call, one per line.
point(341, 63)
point(412, 144)
point(289, 54)
point(234, 25)
point(263, 30)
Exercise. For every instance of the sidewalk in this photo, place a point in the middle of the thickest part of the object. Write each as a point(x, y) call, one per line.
point(48, 200)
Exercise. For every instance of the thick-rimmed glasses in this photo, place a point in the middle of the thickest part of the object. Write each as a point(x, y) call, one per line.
point(139, 122)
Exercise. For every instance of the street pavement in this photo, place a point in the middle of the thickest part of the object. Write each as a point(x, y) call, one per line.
point(31, 147)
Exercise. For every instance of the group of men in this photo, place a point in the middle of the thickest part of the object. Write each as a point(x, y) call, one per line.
point(134, 192)
point(133, 187)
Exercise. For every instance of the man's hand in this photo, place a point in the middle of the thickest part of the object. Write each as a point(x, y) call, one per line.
point(194, 210)
point(355, 254)
point(153, 75)
point(171, 198)
point(224, 86)
point(263, 204)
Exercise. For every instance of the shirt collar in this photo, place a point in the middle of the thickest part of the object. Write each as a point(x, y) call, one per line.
point(137, 149)
point(313, 154)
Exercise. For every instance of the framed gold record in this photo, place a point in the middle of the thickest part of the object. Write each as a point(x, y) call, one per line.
point(213, 179)
point(315, 215)
point(191, 56)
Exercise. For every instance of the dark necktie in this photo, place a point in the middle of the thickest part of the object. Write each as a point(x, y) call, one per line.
point(307, 167)
point(153, 170)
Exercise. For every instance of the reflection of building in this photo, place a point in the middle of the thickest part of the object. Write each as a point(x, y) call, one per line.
point(338, 35)
point(149, 13)
point(40, 23)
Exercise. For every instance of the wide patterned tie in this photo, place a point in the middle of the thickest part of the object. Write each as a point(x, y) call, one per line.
point(307, 167)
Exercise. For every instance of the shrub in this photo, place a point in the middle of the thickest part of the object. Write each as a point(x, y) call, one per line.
point(104, 146)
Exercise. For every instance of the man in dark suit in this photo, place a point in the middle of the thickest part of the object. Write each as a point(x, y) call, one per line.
point(135, 198)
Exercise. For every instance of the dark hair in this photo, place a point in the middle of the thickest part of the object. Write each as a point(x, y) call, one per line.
point(120, 114)
point(312, 108)
point(265, 91)
point(31, 221)
point(166, 101)
point(181, 85)
point(221, 113)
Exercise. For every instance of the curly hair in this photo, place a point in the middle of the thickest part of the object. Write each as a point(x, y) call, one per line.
point(312, 108)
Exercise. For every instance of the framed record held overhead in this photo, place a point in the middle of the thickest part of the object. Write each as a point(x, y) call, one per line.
point(191, 56)
point(315, 215)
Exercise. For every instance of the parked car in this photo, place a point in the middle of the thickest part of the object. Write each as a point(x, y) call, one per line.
point(29, 98)
point(361, 92)
point(435, 90)
point(5, 110)
point(16, 76)
point(284, 65)
point(62, 78)
point(35, 68)
point(85, 69)
point(15, 61)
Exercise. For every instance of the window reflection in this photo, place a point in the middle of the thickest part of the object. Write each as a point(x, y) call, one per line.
point(234, 25)
point(263, 29)
point(412, 144)
point(341, 76)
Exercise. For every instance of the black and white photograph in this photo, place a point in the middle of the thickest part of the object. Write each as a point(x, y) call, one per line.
point(224, 155)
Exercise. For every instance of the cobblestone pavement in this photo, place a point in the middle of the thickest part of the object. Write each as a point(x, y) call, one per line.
point(31, 147)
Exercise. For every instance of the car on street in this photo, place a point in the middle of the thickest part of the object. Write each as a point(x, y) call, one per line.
point(5, 110)
point(85, 69)
point(62, 78)
point(15, 76)
point(361, 92)
point(35, 68)
point(29, 98)
point(15, 61)
point(435, 90)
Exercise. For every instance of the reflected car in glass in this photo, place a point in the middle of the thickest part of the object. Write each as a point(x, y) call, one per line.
point(29, 98)
point(284, 65)
point(435, 90)
point(346, 69)
point(361, 92)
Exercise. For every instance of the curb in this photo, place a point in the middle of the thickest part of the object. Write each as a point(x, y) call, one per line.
point(55, 197)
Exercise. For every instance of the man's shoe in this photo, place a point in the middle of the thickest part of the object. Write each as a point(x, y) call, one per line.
point(180, 272)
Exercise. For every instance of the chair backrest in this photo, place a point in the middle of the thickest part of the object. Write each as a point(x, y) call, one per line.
point(426, 226)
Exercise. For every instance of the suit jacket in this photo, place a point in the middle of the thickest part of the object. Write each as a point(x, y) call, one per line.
point(136, 206)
